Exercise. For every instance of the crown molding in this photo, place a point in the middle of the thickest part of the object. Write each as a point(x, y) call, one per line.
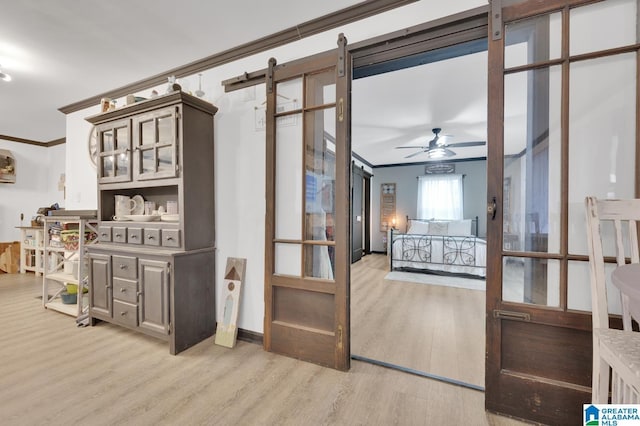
point(49, 144)
point(333, 20)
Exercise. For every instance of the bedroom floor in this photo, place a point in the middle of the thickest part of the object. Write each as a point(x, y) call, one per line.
point(431, 328)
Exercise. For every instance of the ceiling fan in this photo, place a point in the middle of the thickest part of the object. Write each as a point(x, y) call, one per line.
point(438, 148)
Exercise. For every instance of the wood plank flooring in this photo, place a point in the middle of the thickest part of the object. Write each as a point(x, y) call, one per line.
point(54, 373)
point(435, 329)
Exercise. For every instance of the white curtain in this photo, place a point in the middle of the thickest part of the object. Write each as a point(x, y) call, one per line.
point(440, 197)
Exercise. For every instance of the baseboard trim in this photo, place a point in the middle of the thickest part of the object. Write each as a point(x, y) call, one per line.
point(378, 252)
point(250, 336)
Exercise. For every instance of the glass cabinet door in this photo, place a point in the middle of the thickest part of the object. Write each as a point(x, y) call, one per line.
point(114, 151)
point(155, 141)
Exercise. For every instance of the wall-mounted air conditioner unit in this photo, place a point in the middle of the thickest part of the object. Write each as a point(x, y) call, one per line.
point(7, 167)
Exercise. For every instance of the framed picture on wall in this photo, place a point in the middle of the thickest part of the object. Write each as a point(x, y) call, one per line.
point(387, 205)
point(7, 167)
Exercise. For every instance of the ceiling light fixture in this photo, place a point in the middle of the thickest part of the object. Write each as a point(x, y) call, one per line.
point(437, 153)
point(5, 77)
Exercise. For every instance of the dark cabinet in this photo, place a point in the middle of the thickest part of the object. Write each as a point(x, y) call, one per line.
point(114, 151)
point(100, 279)
point(155, 141)
point(153, 296)
point(157, 276)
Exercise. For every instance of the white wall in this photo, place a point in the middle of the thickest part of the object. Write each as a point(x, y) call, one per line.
point(240, 147)
point(38, 171)
point(405, 178)
point(82, 184)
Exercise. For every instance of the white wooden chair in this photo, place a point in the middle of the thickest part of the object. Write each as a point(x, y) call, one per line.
point(615, 349)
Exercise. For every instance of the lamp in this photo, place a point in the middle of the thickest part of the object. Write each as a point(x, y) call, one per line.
point(4, 76)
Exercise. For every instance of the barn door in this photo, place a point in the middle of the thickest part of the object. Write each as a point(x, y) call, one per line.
point(357, 213)
point(562, 125)
point(307, 219)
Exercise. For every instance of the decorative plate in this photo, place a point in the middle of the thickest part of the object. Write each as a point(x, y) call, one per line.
point(92, 146)
point(141, 217)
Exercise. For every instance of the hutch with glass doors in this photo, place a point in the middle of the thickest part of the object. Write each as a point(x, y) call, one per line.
point(152, 269)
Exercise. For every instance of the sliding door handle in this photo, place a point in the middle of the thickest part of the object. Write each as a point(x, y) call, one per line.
point(492, 208)
point(510, 315)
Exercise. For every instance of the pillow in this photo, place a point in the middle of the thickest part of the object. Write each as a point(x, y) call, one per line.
point(460, 227)
point(417, 227)
point(439, 228)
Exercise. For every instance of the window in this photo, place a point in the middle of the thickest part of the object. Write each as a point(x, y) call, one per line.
point(440, 197)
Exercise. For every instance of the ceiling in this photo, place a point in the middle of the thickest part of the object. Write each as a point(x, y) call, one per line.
point(401, 108)
point(64, 51)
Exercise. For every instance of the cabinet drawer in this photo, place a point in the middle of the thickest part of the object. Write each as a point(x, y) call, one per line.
point(125, 313)
point(134, 235)
point(119, 234)
point(104, 234)
point(125, 290)
point(171, 237)
point(125, 267)
point(152, 236)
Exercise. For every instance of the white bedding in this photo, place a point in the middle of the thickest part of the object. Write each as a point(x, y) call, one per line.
point(440, 253)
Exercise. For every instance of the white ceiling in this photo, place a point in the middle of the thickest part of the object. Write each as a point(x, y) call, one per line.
point(63, 51)
point(401, 108)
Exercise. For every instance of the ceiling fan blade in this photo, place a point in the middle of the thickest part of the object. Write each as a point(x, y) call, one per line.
point(412, 147)
point(414, 154)
point(463, 144)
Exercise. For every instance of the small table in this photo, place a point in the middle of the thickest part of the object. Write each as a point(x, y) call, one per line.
point(31, 249)
point(627, 279)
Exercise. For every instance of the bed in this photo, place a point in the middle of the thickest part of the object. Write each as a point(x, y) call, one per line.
point(439, 247)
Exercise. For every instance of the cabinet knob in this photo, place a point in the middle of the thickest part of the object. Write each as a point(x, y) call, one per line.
point(139, 293)
point(150, 237)
point(169, 238)
point(123, 266)
point(123, 290)
point(118, 235)
point(134, 237)
point(123, 313)
point(104, 235)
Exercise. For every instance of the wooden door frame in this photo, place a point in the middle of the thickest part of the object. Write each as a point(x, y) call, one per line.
point(455, 30)
point(361, 174)
point(367, 212)
point(340, 288)
point(549, 400)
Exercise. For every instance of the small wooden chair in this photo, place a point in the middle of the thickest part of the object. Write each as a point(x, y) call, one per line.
point(615, 349)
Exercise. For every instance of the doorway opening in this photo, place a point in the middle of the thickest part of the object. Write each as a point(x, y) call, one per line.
point(421, 323)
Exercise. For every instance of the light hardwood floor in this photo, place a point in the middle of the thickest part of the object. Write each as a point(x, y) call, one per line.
point(52, 372)
point(434, 329)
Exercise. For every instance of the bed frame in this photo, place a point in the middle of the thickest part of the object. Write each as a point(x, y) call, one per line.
point(452, 252)
point(474, 224)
